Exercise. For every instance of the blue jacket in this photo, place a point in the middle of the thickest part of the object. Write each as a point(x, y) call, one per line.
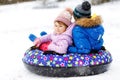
point(87, 35)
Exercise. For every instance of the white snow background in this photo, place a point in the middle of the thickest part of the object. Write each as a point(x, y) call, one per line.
point(17, 21)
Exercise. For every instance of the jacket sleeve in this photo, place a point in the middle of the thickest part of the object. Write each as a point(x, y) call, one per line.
point(96, 33)
point(45, 38)
point(80, 40)
point(97, 37)
point(60, 47)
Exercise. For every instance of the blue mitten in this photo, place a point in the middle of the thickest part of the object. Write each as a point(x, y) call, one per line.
point(32, 37)
point(43, 33)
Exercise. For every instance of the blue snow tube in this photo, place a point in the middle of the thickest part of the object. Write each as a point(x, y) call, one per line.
point(70, 64)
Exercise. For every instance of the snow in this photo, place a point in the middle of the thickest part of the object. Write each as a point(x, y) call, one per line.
point(17, 21)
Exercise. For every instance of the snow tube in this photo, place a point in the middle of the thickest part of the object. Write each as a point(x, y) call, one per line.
point(70, 64)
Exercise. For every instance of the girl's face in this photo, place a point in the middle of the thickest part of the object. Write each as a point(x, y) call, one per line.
point(59, 27)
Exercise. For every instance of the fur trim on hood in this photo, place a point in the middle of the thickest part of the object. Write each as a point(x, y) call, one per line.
point(89, 22)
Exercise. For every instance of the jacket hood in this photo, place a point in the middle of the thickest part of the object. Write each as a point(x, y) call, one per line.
point(89, 22)
point(69, 30)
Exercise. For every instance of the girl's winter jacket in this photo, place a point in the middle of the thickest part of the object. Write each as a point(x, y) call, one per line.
point(59, 43)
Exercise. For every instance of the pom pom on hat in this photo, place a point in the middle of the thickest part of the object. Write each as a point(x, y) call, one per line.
point(65, 16)
point(83, 10)
point(86, 6)
point(69, 10)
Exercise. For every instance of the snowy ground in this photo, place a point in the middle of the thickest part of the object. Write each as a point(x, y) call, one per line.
point(19, 20)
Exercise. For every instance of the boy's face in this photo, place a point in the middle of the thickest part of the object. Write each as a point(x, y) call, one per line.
point(59, 28)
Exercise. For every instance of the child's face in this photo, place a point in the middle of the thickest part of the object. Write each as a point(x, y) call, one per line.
point(59, 27)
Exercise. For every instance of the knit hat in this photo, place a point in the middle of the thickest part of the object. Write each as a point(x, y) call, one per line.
point(65, 16)
point(83, 10)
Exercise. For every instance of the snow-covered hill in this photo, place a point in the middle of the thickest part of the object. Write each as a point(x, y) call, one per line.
point(19, 20)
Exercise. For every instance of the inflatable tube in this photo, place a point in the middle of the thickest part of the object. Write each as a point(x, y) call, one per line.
point(67, 65)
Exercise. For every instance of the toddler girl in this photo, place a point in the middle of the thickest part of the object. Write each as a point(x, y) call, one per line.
point(61, 38)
